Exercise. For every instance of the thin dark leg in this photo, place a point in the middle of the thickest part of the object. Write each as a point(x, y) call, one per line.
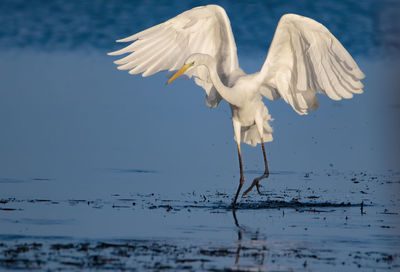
point(265, 175)
point(266, 172)
point(241, 178)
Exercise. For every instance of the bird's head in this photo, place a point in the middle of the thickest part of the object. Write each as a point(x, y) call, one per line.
point(192, 61)
point(188, 64)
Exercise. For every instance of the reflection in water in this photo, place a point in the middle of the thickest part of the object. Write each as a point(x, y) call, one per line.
point(239, 236)
point(256, 251)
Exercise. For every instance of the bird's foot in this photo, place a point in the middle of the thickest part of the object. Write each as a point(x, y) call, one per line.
point(258, 186)
point(256, 182)
point(233, 206)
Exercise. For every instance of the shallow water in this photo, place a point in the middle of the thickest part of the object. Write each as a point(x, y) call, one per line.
point(312, 221)
point(103, 170)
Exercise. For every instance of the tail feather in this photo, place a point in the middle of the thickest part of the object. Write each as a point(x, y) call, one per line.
point(250, 135)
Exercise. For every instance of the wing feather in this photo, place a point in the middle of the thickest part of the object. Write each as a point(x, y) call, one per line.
point(297, 46)
point(167, 45)
point(146, 61)
point(305, 59)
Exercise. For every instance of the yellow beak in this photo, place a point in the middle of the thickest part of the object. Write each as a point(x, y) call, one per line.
point(180, 72)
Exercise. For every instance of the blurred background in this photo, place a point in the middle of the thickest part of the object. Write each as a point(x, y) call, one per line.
point(364, 27)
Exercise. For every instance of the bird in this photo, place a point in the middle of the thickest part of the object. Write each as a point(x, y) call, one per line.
point(304, 59)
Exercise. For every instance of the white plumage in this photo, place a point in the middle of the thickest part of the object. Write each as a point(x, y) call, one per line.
point(166, 46)
point(304, 59)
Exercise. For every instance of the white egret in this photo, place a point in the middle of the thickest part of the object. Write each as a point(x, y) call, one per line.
point(304, 59)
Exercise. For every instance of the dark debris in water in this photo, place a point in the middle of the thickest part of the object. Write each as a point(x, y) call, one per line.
point(276, 204)
point(138, 171)
point(213, 202)
point(156, 255)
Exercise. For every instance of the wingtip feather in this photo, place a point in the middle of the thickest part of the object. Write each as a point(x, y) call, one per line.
point(127, 39)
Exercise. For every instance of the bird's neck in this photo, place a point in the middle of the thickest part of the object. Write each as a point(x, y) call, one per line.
point(229, 94)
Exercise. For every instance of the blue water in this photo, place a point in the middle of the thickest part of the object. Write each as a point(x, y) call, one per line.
point(73, 128)
point(364, 27)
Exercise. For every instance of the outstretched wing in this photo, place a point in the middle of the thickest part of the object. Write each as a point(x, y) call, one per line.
point(305, 59)
point(166, 46)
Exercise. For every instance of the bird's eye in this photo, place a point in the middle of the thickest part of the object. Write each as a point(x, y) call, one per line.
point(192, 63)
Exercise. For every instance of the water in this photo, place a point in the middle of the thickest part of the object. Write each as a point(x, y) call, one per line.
point(103, 170)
